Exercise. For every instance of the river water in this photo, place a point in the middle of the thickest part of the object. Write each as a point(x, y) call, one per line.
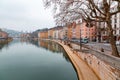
point(35, 60)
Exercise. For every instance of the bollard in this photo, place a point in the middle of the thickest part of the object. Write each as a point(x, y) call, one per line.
point(102, 50)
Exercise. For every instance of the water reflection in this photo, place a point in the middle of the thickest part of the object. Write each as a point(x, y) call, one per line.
point(35, 60)
point(47, 45)
point(54, 47)
point(4, 44)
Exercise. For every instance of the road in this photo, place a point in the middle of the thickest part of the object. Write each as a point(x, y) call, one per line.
point(98, 46)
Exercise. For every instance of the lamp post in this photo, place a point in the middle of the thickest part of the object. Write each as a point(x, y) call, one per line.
point(80, 35)
point(89, 31)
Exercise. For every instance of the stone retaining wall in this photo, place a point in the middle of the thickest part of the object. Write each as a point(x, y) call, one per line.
point(105, 66)
point(103, 70)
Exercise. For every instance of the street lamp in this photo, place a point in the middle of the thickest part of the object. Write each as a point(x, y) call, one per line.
point(89, 32)
point(80, 35)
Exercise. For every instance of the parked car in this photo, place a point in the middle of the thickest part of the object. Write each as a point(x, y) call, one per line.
point(117, 42)
point(84, 40)
point(75, 40)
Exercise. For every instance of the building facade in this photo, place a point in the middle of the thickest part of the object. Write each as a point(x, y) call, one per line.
point(43, 34)
point(88, 32)
point(116, 25)
point(115, 22)
point(80, 30)
point(50, 33)
point(69, 32)
point(3, 34)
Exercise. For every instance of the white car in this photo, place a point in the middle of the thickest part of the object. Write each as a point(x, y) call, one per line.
point(117, 42)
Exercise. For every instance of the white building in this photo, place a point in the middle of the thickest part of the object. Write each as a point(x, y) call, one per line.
point(55, 33)
point(115, 22)
point(116, 25)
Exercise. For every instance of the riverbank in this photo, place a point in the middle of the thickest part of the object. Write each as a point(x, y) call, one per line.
point(83, 70)
point(5, 40)
point(89, 67)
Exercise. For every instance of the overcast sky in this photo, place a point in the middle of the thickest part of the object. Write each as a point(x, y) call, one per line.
point(25, 15)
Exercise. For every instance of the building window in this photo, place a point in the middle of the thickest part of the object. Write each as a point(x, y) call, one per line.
point(115, 20)
point(115, 26)
point(115, 32)
point(115, 15)
point(103, 32)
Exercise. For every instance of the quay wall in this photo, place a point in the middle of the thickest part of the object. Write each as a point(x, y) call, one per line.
point(105, 66)
point(102, 69)
point(83, 70)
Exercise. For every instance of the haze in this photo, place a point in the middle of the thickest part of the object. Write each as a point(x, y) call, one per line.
point(25, 15)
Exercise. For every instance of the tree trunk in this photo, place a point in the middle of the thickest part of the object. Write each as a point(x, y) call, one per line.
point(112, 41)
point(113, 46)
point(99, 36)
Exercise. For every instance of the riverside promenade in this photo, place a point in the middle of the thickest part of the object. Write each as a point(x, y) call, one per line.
point(83, 70)
point(90, 64)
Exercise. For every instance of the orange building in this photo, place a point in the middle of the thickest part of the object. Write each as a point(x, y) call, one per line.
point(69, 34)
point(50, 33)
point(77, 31)
point(43, 34)
point(74, 31)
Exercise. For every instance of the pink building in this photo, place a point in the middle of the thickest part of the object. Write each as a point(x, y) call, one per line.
point(3, 34)
point(76, 31)
point(87, 32)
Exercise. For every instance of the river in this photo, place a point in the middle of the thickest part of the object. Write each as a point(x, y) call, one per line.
point(35, 60)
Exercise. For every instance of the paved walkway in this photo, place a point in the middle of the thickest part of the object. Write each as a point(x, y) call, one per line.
point(105, 46)
point(104, 56)
point(83, 70)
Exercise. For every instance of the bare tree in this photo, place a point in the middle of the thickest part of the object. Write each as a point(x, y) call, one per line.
point(89, 10)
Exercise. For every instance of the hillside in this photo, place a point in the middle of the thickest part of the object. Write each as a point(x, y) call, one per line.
point(12, 33)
